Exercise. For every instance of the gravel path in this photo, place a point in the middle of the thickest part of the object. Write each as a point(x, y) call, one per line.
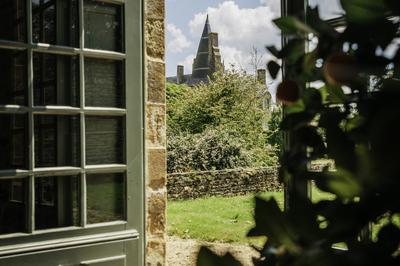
point(183, 252)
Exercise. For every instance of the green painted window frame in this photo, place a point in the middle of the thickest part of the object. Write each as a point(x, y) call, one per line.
point(294, 188)
point(133, 227)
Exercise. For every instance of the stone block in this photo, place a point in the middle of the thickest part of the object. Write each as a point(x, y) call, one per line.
point(157, 168)
point(155, 253)
point(155, 81)
point(155, 9)
point(155, 125)
point(156, 216)
point(155, 40)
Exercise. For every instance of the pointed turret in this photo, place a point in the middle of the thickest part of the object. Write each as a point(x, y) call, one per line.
point(208, 58)
point(207, 28)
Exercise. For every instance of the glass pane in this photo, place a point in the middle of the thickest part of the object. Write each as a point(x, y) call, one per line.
point(13, 77)
point(103, 83)
point(57, 141)
point(103, 26)
point(104, 140)
point(55, 22)
point(13, 141)
point(13, 199)
point(105, 198)
point(13, 20)
point(56, 79)
point(328, 8)
point(56, 202)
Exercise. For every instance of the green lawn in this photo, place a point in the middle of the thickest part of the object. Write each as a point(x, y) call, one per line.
point(225, 219)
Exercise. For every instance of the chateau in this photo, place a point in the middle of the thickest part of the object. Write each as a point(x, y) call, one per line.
point(207, 61)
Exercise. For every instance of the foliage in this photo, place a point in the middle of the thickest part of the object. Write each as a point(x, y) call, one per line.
point(275, 136)
point(359, 115)
point(210, 150)
point(218, 125)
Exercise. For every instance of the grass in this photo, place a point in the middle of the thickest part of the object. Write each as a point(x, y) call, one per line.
point(228, 219)
point(225, 219)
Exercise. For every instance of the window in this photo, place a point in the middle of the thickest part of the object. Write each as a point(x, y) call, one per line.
point(63, 112)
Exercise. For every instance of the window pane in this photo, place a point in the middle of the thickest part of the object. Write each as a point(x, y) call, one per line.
point(13, 20)
point(13, 141)
point(57, 141)
point(103, 26)
point(328, 8)
point(55, 22)
point(56, 202)
point(13, 198)
point(104, 140)
point(103, 83)
point(105, 198)
point(13, 77)
point(56, 79)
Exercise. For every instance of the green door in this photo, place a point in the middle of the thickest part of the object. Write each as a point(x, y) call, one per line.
point(71, 100)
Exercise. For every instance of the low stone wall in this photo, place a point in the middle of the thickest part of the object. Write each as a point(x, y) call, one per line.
point(222, 183)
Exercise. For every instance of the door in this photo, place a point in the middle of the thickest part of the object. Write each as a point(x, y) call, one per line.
point(71, 100)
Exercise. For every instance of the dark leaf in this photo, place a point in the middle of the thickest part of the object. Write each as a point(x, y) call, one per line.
point(271, 222)
point(274, 51)
point(273, 68)
point(296, 120)
point(208, 258)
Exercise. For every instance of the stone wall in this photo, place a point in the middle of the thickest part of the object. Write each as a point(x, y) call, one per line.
point(222, 183)
point(155, 158)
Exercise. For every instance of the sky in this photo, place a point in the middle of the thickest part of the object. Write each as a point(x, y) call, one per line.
point(241, 25)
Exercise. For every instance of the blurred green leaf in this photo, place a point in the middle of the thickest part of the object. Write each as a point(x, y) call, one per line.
point(362, 11)
point(293, 26)
point(341, 183)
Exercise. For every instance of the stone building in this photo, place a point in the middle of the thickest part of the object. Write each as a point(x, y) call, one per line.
point(82, 112)
point(207, 61)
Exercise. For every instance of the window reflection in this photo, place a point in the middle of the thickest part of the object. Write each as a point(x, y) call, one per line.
point(103, 83)
point(104, 140)
point(13, 196)
point(56, 202)
point(56, 79)
point(13, 20)
point(13, 77)
point(105, 198)
point(55, 22)
point(13, 141)
point(103, 29)
point(57, 141)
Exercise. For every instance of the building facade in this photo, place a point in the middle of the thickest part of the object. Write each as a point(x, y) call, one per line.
point(207, 61)
point(82, 111)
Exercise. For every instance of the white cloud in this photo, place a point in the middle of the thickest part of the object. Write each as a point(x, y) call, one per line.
point(176, 40)
point(274, 5)
point(240, 29)
point(187, 63)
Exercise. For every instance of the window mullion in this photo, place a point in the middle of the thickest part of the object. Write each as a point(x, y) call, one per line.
point(31, 157)
point(82, 114)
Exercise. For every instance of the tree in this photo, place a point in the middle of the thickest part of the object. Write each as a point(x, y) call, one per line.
point(256, 60)
point(352, 119)
point(228, 112)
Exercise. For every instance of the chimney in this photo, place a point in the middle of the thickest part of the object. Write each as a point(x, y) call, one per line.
point(261, 76)
point(180, 74)
point(213, 40)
